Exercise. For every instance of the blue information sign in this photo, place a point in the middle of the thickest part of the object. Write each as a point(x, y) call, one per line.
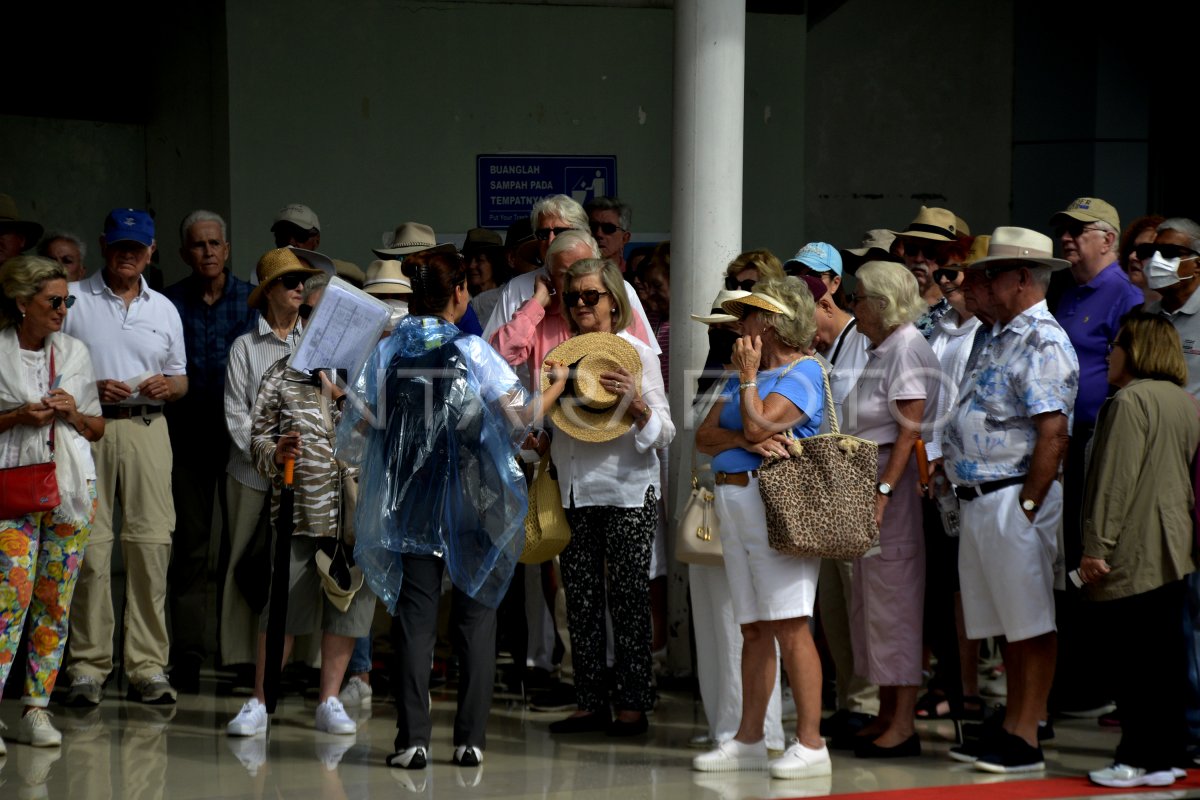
point(510, 185)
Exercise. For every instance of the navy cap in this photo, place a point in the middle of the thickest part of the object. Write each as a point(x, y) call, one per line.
point(129, 225)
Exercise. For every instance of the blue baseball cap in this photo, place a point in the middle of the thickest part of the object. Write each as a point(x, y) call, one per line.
point(817, 256)
point(129, 225)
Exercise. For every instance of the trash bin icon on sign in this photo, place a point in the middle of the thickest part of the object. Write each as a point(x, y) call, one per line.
point(586, 183)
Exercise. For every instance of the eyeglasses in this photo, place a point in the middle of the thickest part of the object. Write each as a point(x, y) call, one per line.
point(58, 301)
point(733, 284)
point(305, 311)
point(1146, 250)
point(544, 233)
point(291, 280)
point(948, 275)
point(1113, 345)
point(801, 270)
point(590, 297)
point(929, 250)
point(607, 228)
point(1074, 230)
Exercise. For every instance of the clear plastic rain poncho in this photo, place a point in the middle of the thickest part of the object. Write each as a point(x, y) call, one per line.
point(431, 422)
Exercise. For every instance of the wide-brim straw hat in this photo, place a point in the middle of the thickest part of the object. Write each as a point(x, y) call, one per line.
point(1013, 245)
point(740, 306)
point(588, 410)
point(340, 588)
point(386, 277)
point(275, 264)
point(935, 224)
point(718, 313)
point(409, 237)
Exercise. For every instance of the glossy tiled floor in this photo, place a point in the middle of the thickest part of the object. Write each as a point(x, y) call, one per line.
point(126, 750)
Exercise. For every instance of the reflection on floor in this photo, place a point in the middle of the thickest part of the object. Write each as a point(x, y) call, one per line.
point(133, 752)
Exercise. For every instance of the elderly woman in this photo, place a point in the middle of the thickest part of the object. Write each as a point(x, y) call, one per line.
point(896, 397)
point(1138, 542)
point(1141, 231)
point(776, 390)
point(49, 410)
point(277, 297)
point(294, 420)
point(432, 423)
point(609, 487)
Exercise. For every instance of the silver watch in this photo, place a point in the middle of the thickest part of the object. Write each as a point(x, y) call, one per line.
point(884, 489)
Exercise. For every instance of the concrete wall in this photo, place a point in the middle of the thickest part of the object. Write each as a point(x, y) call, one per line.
point(372, 113)
point(908, 104)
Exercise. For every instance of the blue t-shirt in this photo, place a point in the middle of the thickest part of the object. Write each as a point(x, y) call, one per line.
point(802, 384)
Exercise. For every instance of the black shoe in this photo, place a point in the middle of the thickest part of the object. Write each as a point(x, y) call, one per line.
point(848, 741)
point(560, 697)
point(596, 722)
point(185, 676)
point(621, 728)
point(909, 748)
point(1010, 754)
point(845, 723)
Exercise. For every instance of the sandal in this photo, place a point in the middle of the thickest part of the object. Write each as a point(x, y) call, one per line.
point(936, 705)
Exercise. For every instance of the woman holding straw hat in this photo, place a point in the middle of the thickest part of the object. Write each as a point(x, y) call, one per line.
point(775, 391)
point(611, 418)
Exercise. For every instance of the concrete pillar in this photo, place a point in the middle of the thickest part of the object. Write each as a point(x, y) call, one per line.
point(706, 217)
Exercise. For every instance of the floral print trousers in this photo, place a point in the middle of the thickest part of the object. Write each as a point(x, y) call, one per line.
point(40, 556)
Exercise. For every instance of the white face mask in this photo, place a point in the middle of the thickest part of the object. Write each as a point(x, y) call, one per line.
point(1162, 272)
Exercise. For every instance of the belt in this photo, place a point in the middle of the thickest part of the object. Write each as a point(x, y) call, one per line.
point(971, 492)
point(735, 478)
point(128, 412)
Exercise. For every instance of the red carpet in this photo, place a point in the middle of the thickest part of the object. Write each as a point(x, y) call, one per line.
point(1035, 789)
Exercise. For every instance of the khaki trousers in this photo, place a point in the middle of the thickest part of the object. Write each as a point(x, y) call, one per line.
point(854, 692)
point(133, 464)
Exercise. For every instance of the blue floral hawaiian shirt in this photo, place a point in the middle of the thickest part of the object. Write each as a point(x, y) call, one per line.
point(1028, 368)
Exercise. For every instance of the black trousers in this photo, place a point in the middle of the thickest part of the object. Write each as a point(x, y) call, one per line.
point(414, 634)
point(1149, 675)
point(200, 447)
point(941, 583)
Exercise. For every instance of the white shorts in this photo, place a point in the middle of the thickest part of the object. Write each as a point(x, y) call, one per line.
point(1006, 564)
point(763, 583)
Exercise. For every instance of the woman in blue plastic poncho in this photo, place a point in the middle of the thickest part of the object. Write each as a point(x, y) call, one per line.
point(434, 420)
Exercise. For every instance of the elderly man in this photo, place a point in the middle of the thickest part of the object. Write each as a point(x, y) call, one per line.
point(296, 225)
point(136, 342)
point(923, 246)
point(1003, 444)
point(609, 219)
point(1090, 311)
point(212, 305)
point(16, 235)
point(68, 250)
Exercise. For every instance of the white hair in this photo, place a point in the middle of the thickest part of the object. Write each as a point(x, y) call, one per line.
point(1185, 226)
point(43, 248)
point(1041, 276)
point(561, 206)
point(200, 215)
point(571, 240)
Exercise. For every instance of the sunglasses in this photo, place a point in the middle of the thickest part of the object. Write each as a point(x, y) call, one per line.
point(590, 297)
point(58, 301)
point(949, 275)
point(1146, 250)
point(291, 280)
point(930, 251)
point(732, 284)
point(607, 228)
point(1074, 230)
point(801, 271)
point(993, 271)
point(544, 233)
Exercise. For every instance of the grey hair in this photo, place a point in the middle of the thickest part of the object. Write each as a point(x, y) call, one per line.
point(561, 206)
point(1041, 276)
point(569, 241)
point(614, 284)
point(1105, 227)
point(605, 203)
point(21, 278)
point(201, 215)
point(1185, 226)
point(895, 285)
point(314, 284)
point(43, 248)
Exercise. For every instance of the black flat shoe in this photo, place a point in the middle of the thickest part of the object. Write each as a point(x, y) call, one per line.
point(907, 749)
point(588, 723)
point(620, 727)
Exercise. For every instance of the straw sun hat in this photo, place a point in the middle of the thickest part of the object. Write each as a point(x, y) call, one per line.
point(587, 410)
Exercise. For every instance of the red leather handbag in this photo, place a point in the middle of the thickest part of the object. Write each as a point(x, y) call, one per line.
point(31, 488)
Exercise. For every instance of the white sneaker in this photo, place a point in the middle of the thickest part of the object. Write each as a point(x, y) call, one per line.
point(1123, 776)
point(35, 729)
point(332, 718)
point(250, 721)
point(357, 693)
point(468, 756)
point(732, 755)
point(799, 761)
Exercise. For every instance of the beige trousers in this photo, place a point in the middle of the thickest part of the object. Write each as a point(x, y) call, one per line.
point(133, 465)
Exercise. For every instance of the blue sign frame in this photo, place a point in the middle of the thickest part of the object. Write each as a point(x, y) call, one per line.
point(509, 185)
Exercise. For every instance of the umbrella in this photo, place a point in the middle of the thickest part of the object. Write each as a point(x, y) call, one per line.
point(285, 525)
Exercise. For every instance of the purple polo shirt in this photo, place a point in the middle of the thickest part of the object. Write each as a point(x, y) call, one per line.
point(1090, 313)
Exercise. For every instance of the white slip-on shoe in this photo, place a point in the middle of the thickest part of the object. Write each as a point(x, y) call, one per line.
point(250, 721)
point(732, 755)
point(799, 761)
point(332, 718)
point(35, 729)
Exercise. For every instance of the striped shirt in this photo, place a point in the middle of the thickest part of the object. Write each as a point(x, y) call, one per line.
point(249, 358)
point(290, 401)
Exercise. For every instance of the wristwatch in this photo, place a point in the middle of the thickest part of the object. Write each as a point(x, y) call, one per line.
point(1029, 505)
point(884, 489)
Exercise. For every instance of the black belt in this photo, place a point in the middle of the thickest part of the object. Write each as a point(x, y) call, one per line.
point(971, 492)
point(128, 412)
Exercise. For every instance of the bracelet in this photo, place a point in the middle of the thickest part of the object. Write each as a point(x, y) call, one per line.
point(747, 385)
point(646, 414)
